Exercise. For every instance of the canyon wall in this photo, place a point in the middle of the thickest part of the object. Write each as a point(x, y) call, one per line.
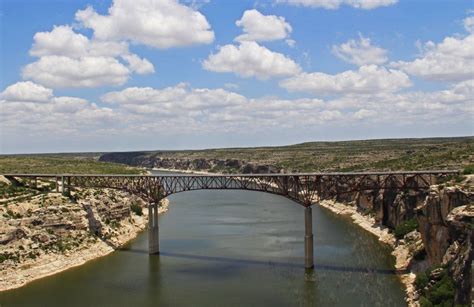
point(200, 164)
point(444, 217)
point(47, 233)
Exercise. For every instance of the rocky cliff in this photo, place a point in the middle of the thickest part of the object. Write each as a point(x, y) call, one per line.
point(199, 164)
point(436, 229)
point(46, 233)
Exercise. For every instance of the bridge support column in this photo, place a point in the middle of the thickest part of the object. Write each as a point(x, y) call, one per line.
point(63, 188)
point(153, 229)
point(308, 238)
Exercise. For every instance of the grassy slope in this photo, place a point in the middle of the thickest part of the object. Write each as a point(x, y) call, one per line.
point(390, 154)
point(56, 164)
point(394, 154)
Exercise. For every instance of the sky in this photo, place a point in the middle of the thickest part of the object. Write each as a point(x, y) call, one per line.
point(125, 75)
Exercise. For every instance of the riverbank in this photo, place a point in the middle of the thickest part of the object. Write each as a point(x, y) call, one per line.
point(41, 257)
point(401, 252)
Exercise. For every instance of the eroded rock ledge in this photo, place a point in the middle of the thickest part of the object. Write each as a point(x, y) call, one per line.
point(198, 165)
point(440, 242)
point(44, 234)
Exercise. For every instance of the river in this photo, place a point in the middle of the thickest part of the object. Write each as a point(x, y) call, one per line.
point(230, 248)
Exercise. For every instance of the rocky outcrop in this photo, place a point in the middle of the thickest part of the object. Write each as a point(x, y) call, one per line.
point(443, 217)
point(432, 216)
point(459, 254)
point(48, 233)
point(141, 159)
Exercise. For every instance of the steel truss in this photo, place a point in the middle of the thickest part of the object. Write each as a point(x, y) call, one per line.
point(302, 188)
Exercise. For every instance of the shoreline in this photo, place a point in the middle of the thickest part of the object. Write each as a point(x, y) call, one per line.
point(51, 264)
point(400, 252)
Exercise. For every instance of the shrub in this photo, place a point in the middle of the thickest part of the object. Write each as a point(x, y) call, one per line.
point(405, 227)
point(136, 209)
point(439, 294)
point(442, 292)
point(424, 302)
point(421, 280)
point(468, 170)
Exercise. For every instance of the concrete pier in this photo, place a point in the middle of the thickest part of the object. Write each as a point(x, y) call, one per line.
point(308, 238)
point(153, 229)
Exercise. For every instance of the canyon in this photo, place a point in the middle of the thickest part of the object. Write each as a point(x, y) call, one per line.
point(432, 228)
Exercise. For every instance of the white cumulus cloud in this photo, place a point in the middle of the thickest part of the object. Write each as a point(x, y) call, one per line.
point(259, 27)
point(68, 59)
point(64, 72)
point(138, 65)
point(33, 110)
point(160, 24)
point(249, 59)
point(450, 60)
point(367, 79)
point(63, 41)
point(27, 91)
point(172, 99)
point(360, 52)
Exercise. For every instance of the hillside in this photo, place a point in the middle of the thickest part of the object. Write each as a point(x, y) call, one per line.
point(364, 155)
point(60, 164)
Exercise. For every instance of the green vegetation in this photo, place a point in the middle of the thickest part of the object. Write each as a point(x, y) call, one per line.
point(365, 155)
point(9, 256)
point(441, 293)
point(468, 169)
point(60, 164)
point(11, 190)
point(136, 208)
point(405, 227)
point(422, 279)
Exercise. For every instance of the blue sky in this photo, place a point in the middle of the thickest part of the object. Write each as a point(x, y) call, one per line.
point(304, 70)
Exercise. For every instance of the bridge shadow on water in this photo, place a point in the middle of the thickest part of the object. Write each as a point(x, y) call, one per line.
point(229, 260)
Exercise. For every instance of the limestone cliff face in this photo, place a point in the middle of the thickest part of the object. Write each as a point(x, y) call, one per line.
point(432, 216)
point(459, 255)
point(54, 224)
point(200, 164)
point(445, 217)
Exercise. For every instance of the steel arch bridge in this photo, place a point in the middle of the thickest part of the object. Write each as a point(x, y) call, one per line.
point(303, 188)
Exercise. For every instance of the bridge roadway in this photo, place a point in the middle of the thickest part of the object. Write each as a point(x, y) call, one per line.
point(303, 188)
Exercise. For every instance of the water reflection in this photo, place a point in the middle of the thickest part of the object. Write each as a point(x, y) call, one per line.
point(309, 273)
